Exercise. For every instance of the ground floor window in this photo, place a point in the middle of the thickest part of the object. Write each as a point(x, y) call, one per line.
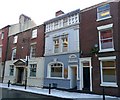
point(33, 68)
point(108, 71)
point(11, 70)
point(56, 70)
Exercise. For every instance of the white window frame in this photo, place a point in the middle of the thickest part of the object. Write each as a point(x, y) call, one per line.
point(2, 35)
point(104, 18)
point(104, 27)
point(31, 50)
point(13, 53)
point(11, 68)
point(34, 33)
point(15, 39)
point(54, 39)
point(31, 65)
point(66, 36)
point(49, 70)
point(110, 84)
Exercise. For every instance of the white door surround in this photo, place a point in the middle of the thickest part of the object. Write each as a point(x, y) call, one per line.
point(73, 75)
point(85, 63)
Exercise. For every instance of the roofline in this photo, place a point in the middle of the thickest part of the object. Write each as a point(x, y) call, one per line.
point(62, 16)
point(99, 4)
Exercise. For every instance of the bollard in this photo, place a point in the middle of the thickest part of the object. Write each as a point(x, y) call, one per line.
point(49, 88)
point(9, 83)
point(103, 93)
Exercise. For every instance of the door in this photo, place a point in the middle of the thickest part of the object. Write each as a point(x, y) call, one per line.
point(73, 80)
point(20, 75)
point(86, 78)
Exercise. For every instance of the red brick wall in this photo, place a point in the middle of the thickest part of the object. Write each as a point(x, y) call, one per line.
point(89, 37)
point(24, 42)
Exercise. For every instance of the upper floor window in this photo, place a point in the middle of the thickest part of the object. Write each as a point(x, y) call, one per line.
point(106, 38)
point(11, 70)
point(33, 68)
point(103, 12)
point(33, 50)
point(65, 22)
point(56, 45)
point(56, 25)
point(15, 39)
point(14, 54)
point(65, 44)
point(2, 35)
point(34, 33)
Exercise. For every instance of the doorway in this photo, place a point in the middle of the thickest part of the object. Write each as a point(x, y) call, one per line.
point(85, 74)
point(86, 78)
point(73, 75)
point(20, 75)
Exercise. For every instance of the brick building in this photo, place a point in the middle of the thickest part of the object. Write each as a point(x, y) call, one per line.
point(100, 50)
point(25, 55)
point(3, 49)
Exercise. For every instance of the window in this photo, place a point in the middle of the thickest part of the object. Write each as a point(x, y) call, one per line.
point(33, 50)
point(106, 38)
point(2, 35)
point(14, 54)
point(11, 70)
point(34, 33)
point(103, 12)
point(65, 44)
point(15, 39)
point(56, 46)
point(65, 22)
point(56, 25)
point(108, 70)
point(33, 70)
point(56, 70)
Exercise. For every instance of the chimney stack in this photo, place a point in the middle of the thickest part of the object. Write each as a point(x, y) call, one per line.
point(60, 12)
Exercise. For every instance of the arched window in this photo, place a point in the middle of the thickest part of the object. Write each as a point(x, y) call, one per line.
point(56, 69)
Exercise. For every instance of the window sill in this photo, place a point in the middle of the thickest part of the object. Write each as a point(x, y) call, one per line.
point(106, 84)
point(107, 50)
point(33, 38)
point(104, 18)
point(56, 78)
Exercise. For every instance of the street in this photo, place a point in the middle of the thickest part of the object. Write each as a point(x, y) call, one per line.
point(10, 94)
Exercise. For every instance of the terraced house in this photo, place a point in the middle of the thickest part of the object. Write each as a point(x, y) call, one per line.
point(25, 60)
point(62, 50)
point(100, 50)
point(3, 49)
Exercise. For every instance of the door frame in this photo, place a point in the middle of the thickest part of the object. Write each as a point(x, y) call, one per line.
point(87, 59)
point(69, 73)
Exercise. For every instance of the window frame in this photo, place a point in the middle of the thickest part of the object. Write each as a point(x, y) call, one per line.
point(2, 35)
point(34, 33)
point(55, 45)
point(63, 43)
point(13, 53)
point(11, 70)
point(15, 39)
point(31, 50)
point(112, 84)
point(103, 10)
point(33, 67)
point(49, 70)
point(102, 28)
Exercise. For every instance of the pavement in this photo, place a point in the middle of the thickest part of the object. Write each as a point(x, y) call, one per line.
point(60, 93)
